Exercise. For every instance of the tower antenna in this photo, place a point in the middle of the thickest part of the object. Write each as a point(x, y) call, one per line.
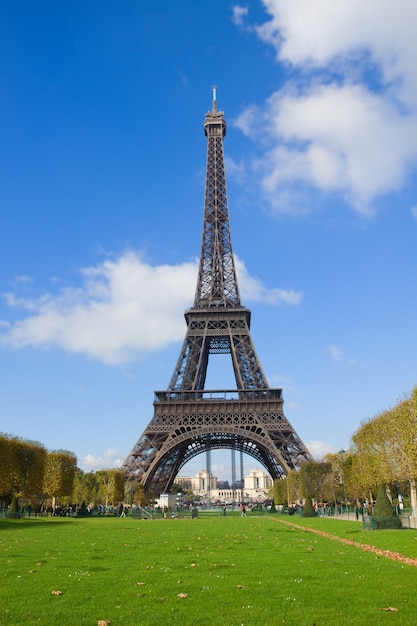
point(214, 88)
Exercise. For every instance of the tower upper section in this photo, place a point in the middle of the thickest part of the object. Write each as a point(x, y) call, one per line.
point(217, 284)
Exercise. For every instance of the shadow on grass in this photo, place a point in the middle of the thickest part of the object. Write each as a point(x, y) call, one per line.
point(27, 522)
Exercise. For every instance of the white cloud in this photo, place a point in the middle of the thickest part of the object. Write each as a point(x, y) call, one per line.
point(319, 449)
point(235, 169)
point(346, 32)
point(336, 353)
point(110, 459)
point(23, 278)
point(339, 138)
point(252, 289)
point(238, 13)
point(414, 211)
point(124, 309)
point(247, 121)
point(347, 123)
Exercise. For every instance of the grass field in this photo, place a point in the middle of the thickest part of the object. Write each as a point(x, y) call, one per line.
point(229, 571)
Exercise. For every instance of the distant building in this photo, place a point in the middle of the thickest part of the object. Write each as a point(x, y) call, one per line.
point(167, 501)
point(255, 488)
point(257, 481)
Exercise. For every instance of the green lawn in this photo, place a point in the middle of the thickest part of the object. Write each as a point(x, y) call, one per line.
point(218, 570)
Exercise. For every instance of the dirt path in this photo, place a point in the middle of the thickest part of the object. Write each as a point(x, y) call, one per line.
point(395, 556)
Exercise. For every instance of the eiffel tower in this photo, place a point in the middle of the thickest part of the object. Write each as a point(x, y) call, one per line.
point(188, 419)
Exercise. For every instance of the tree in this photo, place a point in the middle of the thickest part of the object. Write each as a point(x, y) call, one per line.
point(343, 484)
point(404, 444)
point(85, 487)
point(294, 487)
point(134, 493)
point(23, 467)
point(111, 486)
point(309, 476)
point(6, 466)
point(59, 474)
point(372, 452)
point(314, 475)
point(386, 447)
point(280, 495)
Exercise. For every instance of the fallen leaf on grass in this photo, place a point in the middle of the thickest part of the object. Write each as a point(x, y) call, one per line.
point(182, 595)
point(240, 586)
point(57, 593)
point(390, 608)
point(103, 622)
point(140, 584)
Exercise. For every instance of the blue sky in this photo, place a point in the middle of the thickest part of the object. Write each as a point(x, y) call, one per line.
point(102, 185)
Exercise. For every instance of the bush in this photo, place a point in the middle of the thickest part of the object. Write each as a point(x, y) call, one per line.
point(387, 523)
point(384, 516)
point(13, 510)
point(383, 507)
point(308, 510)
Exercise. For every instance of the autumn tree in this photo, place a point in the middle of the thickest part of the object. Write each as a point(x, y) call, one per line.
point(314, 475)
point(342, 483)
point(22, 467)
point(111, 486)
point(6, 466)
point(371, 462)
point(404, 443)
point(281, 490)
point(85, 487)
point(386, 447)
point(294, 486)
point(59, 474)
point(134, 493)
point(308, 510)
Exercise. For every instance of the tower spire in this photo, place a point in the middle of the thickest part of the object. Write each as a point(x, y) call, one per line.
point(217, 283)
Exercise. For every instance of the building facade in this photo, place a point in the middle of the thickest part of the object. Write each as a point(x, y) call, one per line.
point(255, 489)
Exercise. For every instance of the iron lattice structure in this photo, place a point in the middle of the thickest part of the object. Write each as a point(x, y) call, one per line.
point(188, 419)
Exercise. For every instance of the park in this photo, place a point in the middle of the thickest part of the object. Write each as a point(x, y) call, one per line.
point(261, 569)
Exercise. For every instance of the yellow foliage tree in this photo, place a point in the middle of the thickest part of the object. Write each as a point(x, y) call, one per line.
point(59, 474)
point(386, 447)
point(111, 486)
point(25, 467)
point(6, 466)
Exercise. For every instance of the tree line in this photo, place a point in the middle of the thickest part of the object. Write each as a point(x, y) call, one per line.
point(35, 479)
point(383, 451)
